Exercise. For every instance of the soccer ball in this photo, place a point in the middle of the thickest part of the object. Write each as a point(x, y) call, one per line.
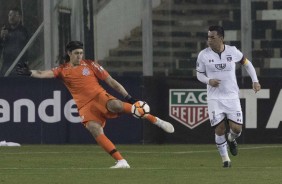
point(140, 109)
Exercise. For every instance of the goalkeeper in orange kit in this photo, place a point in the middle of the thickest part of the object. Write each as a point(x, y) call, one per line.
point(94, 104)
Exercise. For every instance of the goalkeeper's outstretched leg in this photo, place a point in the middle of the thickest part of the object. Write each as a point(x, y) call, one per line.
point(166, 126)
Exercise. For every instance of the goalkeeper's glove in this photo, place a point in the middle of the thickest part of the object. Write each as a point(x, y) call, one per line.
point(23, 69)
point(130, 100)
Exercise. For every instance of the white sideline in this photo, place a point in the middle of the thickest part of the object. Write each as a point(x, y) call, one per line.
point(141, 152)
point(138, 168)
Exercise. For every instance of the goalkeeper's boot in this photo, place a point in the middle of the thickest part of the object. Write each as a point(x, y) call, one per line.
point(121, 164)
point(3, 143)
point(226, 164)
point(232, 146)
point(166, 126)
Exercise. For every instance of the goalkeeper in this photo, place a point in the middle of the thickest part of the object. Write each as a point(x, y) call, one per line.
point(94, 104)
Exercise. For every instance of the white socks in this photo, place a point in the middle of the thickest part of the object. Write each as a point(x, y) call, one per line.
point(232, 135)
point(222, 147)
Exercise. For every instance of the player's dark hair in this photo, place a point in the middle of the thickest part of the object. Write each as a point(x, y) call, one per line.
point(218, 29)
point(72, 45)
point(16, 9)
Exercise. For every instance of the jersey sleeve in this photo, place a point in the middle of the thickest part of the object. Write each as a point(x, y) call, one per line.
point(57, 71)
point(239, 57)
point(200, 67)
point(99, 71)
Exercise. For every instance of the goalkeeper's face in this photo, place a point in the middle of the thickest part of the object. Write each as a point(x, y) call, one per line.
point(76, 56)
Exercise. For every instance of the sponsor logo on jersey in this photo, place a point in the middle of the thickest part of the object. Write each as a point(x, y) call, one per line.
point(220, 66)
point(188, 106)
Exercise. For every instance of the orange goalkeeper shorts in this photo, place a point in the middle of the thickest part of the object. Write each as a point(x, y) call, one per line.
point(96, 110)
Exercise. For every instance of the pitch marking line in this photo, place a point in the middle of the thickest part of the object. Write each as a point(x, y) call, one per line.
point(147, 168)
point(142, 152)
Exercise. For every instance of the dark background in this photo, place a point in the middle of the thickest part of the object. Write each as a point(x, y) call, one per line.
point(125, 129)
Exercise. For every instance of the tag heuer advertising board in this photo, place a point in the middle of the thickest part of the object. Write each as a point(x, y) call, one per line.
point(188, 106)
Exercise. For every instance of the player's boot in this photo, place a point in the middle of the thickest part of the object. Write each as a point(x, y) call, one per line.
point(3, 143)
point(226, 164)
point(121, 164)
point(232, 146)
point(166, 126)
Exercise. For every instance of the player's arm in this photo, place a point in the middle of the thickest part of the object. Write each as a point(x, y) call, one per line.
point(200, 70)
point(252, 72)
point(42, 74)
point(23, 69)
point(120, 89)
point(204, 79)
point(116, 86)
point(201, 73)
point(201, 76)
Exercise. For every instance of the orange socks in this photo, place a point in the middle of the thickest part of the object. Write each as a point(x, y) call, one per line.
point(127, 108)
point(108, 146)
point(151, 118)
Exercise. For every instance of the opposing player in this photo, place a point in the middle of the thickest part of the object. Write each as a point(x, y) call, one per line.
point(216, 67)
point(94, 104)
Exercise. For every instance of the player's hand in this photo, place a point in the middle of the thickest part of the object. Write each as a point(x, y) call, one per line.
point(214, 82)
point(4, 32)
point(23, 69)
point(256, 86)
point(130, 99)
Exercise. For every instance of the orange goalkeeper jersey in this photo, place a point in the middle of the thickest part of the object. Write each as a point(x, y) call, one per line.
point(83, 80)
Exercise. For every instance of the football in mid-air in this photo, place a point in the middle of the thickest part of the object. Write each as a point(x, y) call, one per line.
point(140, 109)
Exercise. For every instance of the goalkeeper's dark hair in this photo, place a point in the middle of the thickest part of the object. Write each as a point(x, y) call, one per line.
point(218, 29)
point(72, 45)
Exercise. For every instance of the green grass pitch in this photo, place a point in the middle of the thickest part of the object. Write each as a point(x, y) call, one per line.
point(150, 164)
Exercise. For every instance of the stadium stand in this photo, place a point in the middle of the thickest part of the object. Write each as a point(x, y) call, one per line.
point(179, 33)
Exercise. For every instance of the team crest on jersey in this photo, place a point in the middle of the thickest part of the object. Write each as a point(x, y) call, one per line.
point(220, 66)
point(188, 106)
point(85, 71)
point(229, 58)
